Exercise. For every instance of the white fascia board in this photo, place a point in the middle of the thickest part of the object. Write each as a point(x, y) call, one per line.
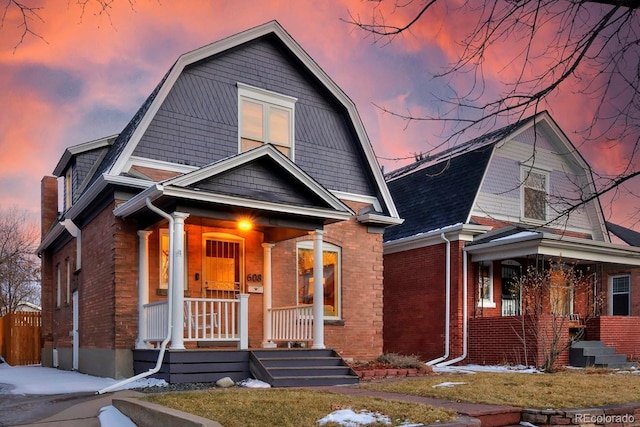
point(189, 194)
point(158, 164)
point(256, 153)
point(360, 198)
point(138, 201)
point(379, 219)
point(557, 246)
point(463, 232)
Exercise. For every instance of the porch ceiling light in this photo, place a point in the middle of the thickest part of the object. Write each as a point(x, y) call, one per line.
point(245, 225)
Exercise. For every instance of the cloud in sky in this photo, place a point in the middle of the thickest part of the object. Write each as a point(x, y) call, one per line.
point(92, 71)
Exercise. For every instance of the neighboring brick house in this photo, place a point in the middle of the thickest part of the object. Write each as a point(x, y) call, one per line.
point(480, 214)
point(244, 161)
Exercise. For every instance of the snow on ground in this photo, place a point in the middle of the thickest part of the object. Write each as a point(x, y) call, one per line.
point(472, 369)
point(350, 418)
point(36, 379)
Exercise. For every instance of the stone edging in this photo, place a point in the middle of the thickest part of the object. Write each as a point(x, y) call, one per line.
point(627, 414)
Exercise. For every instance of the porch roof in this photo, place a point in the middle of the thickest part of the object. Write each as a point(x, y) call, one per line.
point(520, 243)
point(262, 179)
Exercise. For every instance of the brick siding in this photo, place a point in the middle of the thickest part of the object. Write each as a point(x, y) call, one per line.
point(619, 332)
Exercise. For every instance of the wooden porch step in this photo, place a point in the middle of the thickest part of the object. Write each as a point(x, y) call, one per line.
point(300, 368)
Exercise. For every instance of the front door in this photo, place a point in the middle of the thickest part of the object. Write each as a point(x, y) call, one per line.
point(222, 265)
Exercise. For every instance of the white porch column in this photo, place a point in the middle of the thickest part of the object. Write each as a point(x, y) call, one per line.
point(266, 297)
point(318, 291)
point(177, 317)
point(143, 285)
point(243, 321)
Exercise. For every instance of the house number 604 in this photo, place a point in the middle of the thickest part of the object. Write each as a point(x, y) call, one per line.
point(254, 277)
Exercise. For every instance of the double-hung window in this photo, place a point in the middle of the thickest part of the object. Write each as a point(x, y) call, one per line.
point(265, 117)
point(534, 194)
point(619, 296)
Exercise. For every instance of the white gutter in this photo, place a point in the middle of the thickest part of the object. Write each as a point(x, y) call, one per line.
point(163, 346)
point(465, 324)
point(447, 303)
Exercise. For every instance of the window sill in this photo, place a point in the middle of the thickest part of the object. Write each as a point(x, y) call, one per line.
point(334, 322)
point(163, 292)
point(486, 304)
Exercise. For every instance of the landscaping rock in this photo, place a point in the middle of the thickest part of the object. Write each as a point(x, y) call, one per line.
point(225, 382)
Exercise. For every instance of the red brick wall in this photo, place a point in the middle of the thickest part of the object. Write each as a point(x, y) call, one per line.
point(619, 332)
point(48, 202)
point(61, 316)
point(499, 340)
point(97, 294)
point(358, 334)
point(414, 296)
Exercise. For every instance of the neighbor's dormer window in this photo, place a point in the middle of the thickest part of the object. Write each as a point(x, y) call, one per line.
point(534, 194)
point(265, 117)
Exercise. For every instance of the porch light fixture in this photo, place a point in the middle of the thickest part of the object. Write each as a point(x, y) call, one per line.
point(245, 225)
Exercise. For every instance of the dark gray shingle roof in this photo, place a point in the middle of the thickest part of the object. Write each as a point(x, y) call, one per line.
point(627, 235)
point(438, 195)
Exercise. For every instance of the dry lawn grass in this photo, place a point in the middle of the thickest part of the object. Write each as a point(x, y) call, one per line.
point(239, 407)
point(565, 389)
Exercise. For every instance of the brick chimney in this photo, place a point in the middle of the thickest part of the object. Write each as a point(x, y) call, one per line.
point(48, 203)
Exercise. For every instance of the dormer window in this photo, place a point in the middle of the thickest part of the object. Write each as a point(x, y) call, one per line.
point(265, 117)
point(534, 194)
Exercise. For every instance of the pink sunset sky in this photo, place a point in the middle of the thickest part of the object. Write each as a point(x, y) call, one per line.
point(88, 74)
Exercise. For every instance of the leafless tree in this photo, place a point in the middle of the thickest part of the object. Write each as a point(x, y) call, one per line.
point(30, 13)
point(19, 266)
point(588, 46)
point(555, 301)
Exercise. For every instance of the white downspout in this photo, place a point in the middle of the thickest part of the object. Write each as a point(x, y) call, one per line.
point(447, 302)
point(163, 346)
point(465, 316)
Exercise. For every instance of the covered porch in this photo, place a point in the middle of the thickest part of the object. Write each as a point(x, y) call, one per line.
point(594, 306)
point(206, 256)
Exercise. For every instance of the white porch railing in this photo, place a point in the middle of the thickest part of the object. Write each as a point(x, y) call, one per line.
point(292, 323)
point(510, 307)
point(204, 319)
point(156, 315)
point(213, 319)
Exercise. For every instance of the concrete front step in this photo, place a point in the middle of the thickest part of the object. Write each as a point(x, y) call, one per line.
point(595, 354)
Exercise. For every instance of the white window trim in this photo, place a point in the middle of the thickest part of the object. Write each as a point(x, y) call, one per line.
point(68, 188)
point(308, 244)
point(270, 98)
point(610, 293)
point(68, 281)
point(487, 302)
point(525, 170)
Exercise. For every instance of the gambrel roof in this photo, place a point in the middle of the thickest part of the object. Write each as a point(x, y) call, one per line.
point(117, 161)
point(442, 189)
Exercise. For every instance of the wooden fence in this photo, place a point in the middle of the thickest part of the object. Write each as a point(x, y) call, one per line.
point(21, 338)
